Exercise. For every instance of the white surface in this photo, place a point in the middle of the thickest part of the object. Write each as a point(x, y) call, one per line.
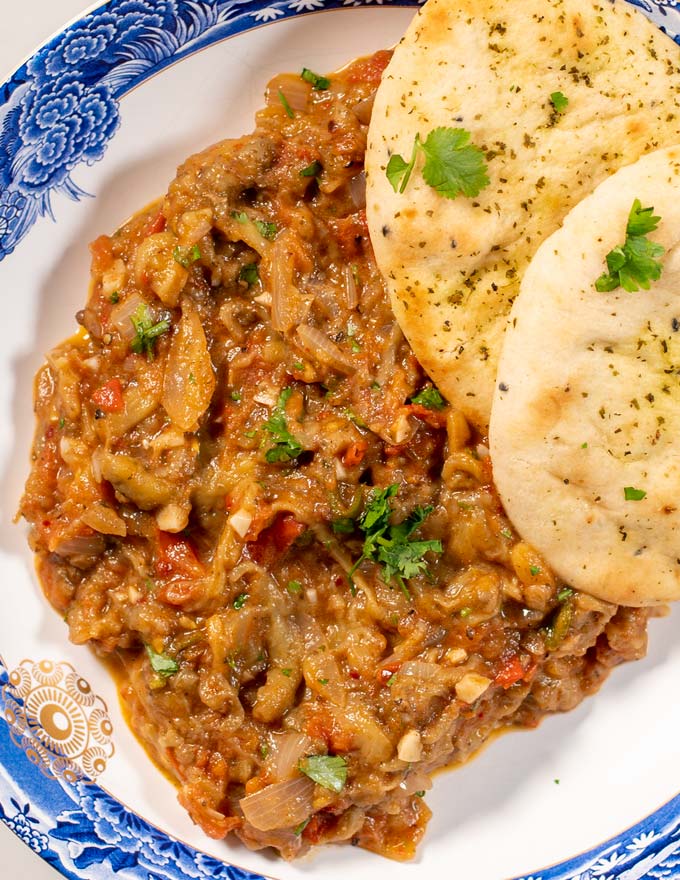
point(597, 752)
point(32, 22)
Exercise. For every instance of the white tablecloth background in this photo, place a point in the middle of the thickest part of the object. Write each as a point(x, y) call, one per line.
point(26, 24)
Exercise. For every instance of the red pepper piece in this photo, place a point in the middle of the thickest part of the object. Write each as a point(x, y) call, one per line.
point(109, 397)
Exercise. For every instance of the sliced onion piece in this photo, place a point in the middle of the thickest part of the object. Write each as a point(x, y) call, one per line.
point(320, 347)
point(104, 519)
point(189, 377)
point(295, 90)
point(350, 287)
point(357, 189)
point(281, 805)
point(121, 315)
point(288, 749)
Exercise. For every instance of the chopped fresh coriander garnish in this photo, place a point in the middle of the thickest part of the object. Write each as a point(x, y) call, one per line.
point(294, 587)
point(297, 831)
point(286, 447)
point(298, 365)
point(353, 417)
point(161, 663)
point(506, 533)
point(266, 228)
point(452, 164)
point(354, 345)
point(322, 681)
point(186, 256)
point(287, 672)
point(192, 379)
point(240, 601)
point(312, 170)
point(343, 526)
point(235, 396)
point(564, 594)
point(390, 680)
point(632, 494)
point(535, 569)
point(584, 445)
point(146, 332)
point(264, 750)
point(375, 386)
point(634, 264)
point(420, 794)
point(249, 273)
point(328, 771)
point(390, 545)
point(320, 83)
point(240, 216)
point(559, 101)
point(62, 422)
point(286, 105)
point(556, 781)
point(115, 297)
point(465, 612)
point(430, 398)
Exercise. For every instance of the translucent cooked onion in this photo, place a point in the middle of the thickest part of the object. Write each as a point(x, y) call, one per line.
point(104, 519)
point(350, 287)
point(363, 110)
point(89, 546)
point(320, 347)
point(288, 749)
point(189, 377)
point(288, 305)
point(282, 805)
point(121, 315)
point(295, 90)
point(357, 189)
point(416, 781)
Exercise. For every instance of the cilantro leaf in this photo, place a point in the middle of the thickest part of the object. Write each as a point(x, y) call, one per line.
point(266, 228)
point(240, 601)
point(634, 264)
point(641, 220)
point(430, 398)
point(390, 545)
point(285, 446)
point(286, 106)
point(328, 771)
point(398, 170)
point(452, 164)
point(559, 101)
point(185, 256)
point(161, 663)
point(630, 493)
point(312, 170)
point(320, 83)
point(146, 332)
point(249, 273)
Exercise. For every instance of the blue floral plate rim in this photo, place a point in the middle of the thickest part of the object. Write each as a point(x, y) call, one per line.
point(58, 111)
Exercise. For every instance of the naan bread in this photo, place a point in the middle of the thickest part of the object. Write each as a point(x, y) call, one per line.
point(588, 399)
point(453, 268)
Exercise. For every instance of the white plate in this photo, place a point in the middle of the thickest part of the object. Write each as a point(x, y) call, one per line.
point(592, 793)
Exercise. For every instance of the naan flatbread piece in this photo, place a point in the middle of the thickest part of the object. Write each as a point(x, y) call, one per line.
point(453, 267)
point(586, 416)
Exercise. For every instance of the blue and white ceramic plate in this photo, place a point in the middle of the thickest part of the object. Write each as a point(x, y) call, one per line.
point(92, 127)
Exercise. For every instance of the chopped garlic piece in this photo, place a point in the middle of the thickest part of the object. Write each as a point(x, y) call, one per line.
point(410, 748)
point(471, 687)
point(240, 522)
